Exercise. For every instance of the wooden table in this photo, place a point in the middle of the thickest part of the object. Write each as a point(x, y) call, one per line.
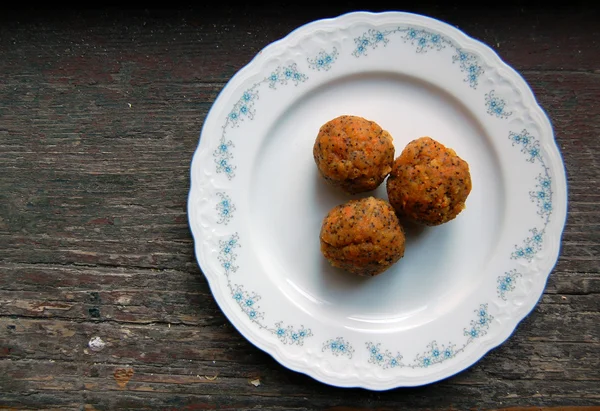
point(100, 113)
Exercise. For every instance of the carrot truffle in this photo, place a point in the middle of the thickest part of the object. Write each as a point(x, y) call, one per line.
point(363, 237)
point(353, 153)
point(429, 183)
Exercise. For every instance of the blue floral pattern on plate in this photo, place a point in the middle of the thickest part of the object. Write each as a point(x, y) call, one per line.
point(338, 346)
point(227, 255)
point(496, 106)
point(423, 41)
point(248, 301)
point(435, 353)
point(507, 283)
point(225, 208)
point(244, 109)
point(541, 195)
point(468, 63)
point(291, 335)
point(383, 358)
point(323, 60)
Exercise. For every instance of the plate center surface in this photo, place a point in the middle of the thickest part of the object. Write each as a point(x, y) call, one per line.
point(441, 266)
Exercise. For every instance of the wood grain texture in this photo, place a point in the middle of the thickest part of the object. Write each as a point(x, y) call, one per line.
point(100, 113)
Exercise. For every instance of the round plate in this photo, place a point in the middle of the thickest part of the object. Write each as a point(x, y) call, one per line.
point(256, 201)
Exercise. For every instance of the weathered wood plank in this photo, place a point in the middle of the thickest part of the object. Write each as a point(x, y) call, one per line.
point(160, 384)
point(188, 45)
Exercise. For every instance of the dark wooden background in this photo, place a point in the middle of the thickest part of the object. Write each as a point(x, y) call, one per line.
point(100, 113)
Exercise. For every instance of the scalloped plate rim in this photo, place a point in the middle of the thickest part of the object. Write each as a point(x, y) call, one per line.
point(483, 348)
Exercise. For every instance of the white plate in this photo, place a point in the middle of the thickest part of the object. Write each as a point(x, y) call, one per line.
point(256, 202)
